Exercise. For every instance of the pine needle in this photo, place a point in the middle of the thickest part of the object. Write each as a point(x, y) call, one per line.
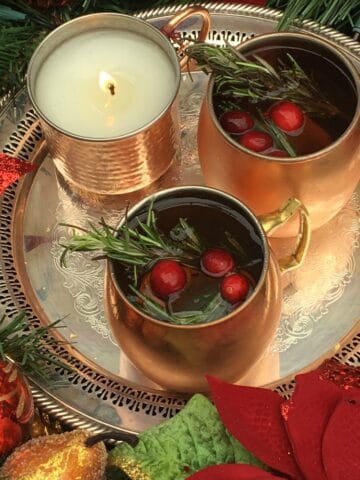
point(338, 14)
point(16, 47)
point(30, 349)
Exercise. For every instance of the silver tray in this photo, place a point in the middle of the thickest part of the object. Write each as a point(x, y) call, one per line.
point(104, 391)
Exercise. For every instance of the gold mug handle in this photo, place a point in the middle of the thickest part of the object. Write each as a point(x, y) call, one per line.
point(170, 27)
point(273, 220)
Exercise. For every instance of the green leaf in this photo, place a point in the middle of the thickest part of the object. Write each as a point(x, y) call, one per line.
point(193, 439)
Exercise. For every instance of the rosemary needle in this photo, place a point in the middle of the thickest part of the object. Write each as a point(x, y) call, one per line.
point(236, 77)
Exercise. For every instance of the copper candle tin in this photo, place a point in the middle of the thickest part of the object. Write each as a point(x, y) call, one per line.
point(323, 180)
point(126, 163)
point(176, 356)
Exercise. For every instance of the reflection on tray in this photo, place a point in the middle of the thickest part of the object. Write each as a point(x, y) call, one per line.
point(328, 268)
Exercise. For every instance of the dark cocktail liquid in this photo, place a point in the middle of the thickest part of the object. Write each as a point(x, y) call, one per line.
point(333, 83)
point(214, 223)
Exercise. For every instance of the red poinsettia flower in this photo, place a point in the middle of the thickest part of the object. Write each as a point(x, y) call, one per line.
point(313, 436)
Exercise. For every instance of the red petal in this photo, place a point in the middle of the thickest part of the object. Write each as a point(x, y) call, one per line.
point(307, 414)
point(344, 376)
point(253, 416)
point(341, 442)
point(231, 472)
point(11, 169)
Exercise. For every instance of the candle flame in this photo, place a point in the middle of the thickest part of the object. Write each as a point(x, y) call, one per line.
point(107, 83)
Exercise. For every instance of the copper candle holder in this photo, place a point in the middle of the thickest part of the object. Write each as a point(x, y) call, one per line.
point(117, 165)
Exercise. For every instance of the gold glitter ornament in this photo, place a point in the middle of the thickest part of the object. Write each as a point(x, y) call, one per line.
point(56, 457)
point(132, 469)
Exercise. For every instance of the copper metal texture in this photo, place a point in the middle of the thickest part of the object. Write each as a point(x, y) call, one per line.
point(103, 390)
point(323, 180)
point(177, 356)
point(115, 165)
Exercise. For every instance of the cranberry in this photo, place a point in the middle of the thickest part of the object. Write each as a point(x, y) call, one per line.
point(236, 122)
point(167, 277)
point(278, 153)
point(288, 117)
point(234, 288)
point(217, 262)
point(256, 140)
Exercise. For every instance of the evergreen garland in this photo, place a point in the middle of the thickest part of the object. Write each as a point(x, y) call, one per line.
point(339, 14)
point(22, 26)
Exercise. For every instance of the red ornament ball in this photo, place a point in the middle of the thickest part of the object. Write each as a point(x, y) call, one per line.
point(288, 117)
point(10, 435)
point(234, 288)
point(167, 277)
point(236, 122)
point(278, 153)
point(256, 140)
point(217, 262)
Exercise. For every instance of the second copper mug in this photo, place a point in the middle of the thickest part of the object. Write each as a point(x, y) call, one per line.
point(323, 180)
point(178, 356)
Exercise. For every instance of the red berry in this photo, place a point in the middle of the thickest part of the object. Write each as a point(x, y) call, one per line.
point(287, 116)
point(167, 277)
point(236, 122)
point(278, 153)
point(256, 140)
point(217, 262)
point(234, 288)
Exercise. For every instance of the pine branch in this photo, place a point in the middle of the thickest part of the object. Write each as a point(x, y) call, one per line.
point(17, 44)
point(28, 349)
point(339, 14)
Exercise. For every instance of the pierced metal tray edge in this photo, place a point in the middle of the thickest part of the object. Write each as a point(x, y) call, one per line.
point(75, 419)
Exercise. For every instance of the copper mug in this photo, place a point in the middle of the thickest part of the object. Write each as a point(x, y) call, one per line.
point(177, 357)
point(128, 162)
point(323, 180)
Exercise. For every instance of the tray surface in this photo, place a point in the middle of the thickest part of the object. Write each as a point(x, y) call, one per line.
point(321, 306)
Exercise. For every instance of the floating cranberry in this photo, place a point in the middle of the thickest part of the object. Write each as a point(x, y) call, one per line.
point(288, 117)
point(217, 262)
point(167, 277)
point(256, 140)
point(278, 153)
point(234, 287)
point(236, 122)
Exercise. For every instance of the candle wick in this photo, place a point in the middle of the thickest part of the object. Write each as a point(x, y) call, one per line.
point(111, 87)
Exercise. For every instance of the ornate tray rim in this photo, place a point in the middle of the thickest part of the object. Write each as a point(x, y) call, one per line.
point(75, 419)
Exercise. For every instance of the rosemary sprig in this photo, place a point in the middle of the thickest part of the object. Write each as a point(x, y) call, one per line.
point(215, 308)
point(236, 78)
point(140, 247)
point(277, 134)
point(28, 349)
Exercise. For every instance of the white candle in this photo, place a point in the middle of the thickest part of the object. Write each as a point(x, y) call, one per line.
point(105, 83)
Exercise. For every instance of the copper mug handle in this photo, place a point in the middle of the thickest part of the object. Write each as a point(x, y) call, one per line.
point(273, 220)
point(170, 27)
